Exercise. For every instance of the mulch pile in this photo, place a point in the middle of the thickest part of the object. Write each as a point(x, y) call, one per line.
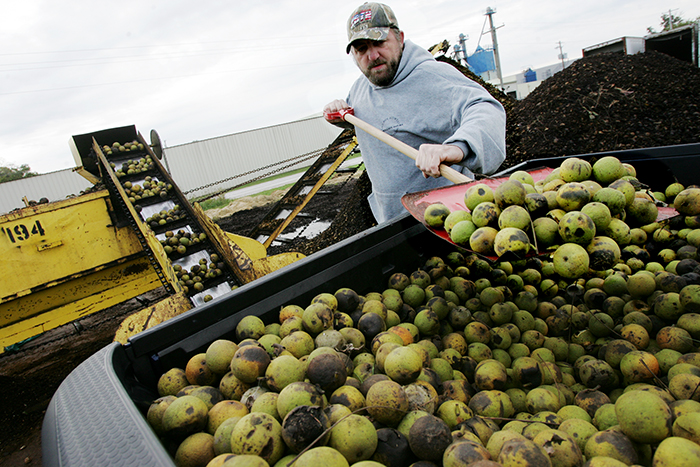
point(354, 216)
point(600, 103)
point(345, 205)
point(607, 102)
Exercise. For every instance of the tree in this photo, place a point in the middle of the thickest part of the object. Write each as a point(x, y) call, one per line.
point(670, 21)
point(12, 172)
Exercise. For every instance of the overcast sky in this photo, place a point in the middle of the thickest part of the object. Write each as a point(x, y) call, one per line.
point(198, 70)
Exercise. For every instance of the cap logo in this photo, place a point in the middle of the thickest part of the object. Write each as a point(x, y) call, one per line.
point(361, 16)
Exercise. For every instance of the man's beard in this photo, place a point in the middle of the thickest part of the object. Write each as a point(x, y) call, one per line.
point(387, 76)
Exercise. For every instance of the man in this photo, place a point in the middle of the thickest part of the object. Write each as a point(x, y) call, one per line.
point(426, 104)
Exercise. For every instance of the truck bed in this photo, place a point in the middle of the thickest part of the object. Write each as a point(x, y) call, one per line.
point(97, 415)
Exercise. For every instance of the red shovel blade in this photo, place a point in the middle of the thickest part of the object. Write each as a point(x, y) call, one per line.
point(453, 197)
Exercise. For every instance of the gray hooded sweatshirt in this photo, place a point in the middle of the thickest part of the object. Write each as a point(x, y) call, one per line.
point(427, 102)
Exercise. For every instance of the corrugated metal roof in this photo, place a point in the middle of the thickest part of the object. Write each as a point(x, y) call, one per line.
point(199, 163)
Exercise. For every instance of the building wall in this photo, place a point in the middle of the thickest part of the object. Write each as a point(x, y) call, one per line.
point(199, 163)
point(54, 186)
point(517, 86)
point(626, 45)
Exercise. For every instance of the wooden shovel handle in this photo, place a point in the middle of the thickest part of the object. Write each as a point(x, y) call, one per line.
point(447, 172)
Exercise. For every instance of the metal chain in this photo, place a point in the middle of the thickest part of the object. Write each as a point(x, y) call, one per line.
point(296, 159)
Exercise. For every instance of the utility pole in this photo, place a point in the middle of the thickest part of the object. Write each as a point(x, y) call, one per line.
point(461, 48)
point(562, 55)
point(463, 45)
point(490, 12)
point(670, 19)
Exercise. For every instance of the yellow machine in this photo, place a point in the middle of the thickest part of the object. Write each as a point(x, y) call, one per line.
point(67, 259)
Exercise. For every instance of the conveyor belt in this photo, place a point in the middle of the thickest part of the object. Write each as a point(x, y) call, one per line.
point(183, 250)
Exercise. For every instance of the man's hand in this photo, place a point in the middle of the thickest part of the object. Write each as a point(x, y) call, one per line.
point(430, 156)
point(335, 106)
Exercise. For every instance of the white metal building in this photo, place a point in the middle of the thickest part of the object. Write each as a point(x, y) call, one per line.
point(518, 86)
point(194, 165)
point(54, 186)
point(199, 163)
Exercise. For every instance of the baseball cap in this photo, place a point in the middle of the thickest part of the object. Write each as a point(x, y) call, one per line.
point(370, 21)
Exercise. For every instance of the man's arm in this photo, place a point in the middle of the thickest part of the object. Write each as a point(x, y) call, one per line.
point(430, 156)
point(482, 131)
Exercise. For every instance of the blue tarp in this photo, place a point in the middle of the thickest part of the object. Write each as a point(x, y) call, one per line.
point(482, 60)
point(530, 75)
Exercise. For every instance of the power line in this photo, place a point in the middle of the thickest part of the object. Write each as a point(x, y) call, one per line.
point(170, 77)
point(150, 57)
point(275, 40)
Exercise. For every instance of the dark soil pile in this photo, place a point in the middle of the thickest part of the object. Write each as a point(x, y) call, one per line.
point(607, 102)
point(353, 217)
point(29, 378)
point(344, 205)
